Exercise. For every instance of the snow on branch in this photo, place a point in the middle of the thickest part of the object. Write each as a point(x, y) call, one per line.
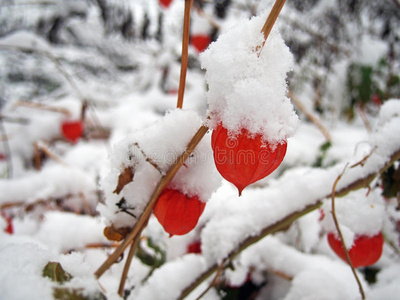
point(260, 212)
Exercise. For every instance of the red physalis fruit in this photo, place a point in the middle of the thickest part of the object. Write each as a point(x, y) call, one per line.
point(245, 159)
point(178, 213)
point(72, 130)
point(10, 228)
point(194, 247)
point(376, 99)
point(200, 42)
point(2, 156)
point(165, 3)
point(366, 250)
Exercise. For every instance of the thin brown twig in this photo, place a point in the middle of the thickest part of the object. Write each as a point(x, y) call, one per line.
point(37, 105)
point(335, 220)
point(50, 153)
point(185, 51)
point(310, 116)
point(364, 159)
point(216, 280)
point(165, 180)
point(128, 262)
point(272, 17)
point(201, 13)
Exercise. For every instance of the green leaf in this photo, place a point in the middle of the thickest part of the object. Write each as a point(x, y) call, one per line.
point(153, 256)
point(55, 272)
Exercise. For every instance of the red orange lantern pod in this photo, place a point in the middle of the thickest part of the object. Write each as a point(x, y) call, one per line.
point(244, 159)
point(178, 213)
point(165, 3)
point(365, 251)
point(72, 130)
point(200, 42)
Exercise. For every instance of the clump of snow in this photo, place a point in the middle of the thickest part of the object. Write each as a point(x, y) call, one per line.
point(168, 281)
point(53, 181)
point(23, 279)
point(389, 110)
point(358, 213)
point(25, 40)
point(247, 86)
point(150, 152)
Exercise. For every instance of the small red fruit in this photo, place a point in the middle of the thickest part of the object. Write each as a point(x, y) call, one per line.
point(245, 159)
point(194, 247)
point(376, 99)
point(366, 250)
point(72, 130)
point(165, 3)
point(178, 213)
point(200, 42)
point(10, 228)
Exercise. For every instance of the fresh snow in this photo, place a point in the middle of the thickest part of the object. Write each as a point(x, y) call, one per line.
point(59, 212)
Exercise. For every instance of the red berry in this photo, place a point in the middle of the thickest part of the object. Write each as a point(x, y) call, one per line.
point(376, 99)
point(245, 159)
point(10, 228)
point(366, 250)
point(72, 130)
point(178, 213)
point(3, 156)
point(165, 3)
point(194, 247)
point(200, 42)
point(321, 214)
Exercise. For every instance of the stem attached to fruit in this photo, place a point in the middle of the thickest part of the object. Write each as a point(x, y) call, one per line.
point(165, 180)
point(335, 220)
point(185, 50)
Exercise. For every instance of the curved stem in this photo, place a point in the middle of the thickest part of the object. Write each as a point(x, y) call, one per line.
point(346, 252)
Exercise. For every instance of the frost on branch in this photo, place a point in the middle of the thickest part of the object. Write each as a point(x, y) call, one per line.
point(247, 87)
point(147, 154)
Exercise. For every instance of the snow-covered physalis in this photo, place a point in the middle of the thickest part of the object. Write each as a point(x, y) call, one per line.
point(365, 251)
point(178, 213)
point(200, 42)
point(244, 159)
point(10, 228)
point(165, 3)
point(72, 130)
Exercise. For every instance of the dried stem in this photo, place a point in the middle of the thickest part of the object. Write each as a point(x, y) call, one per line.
point(201, 13)
point(128, 262)
point(42, 106)
point(147, 212)
point(335, 220)
point(310, 116)
point(272, 17)
point(216, 280)
point(185, 50)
